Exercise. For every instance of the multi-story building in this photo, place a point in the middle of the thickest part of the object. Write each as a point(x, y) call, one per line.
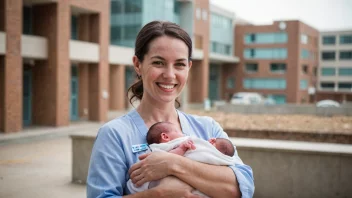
point(62, 61)
point(278, 60)
point(335, 66)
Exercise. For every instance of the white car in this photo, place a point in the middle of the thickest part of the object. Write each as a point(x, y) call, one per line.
point(327, 103)
point(246, 98)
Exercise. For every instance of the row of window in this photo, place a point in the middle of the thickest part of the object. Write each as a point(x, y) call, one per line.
point(264, 83)
point(331, 55)
point(340, 85)
point(122, 6)
point(218, 21)
point(265, 38)
point(201, 14)
point(274, 67)
point(331, 71)
point(331, 40)
point(220, 48)
point(265, 53)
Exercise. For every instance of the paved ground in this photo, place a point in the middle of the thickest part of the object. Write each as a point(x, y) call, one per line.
point(40, 168)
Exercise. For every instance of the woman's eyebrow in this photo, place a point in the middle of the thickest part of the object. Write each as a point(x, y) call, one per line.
point(158, 57)
point(181, 59)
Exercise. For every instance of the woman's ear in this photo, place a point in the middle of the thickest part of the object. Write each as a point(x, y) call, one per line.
point(137, 65)
point(190, 64)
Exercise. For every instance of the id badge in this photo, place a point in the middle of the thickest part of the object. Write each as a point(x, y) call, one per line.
point(139, 148)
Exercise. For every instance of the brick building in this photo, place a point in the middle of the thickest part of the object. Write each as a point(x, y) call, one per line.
point(62, 61)
point(278, 60)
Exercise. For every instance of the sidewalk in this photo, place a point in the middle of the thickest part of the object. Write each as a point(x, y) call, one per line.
point(47, 132)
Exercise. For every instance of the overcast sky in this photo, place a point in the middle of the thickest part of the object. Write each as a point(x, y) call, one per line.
point(321, 14)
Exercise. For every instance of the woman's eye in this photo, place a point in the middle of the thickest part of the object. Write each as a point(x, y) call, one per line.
point(159, 63)
point(180, 64)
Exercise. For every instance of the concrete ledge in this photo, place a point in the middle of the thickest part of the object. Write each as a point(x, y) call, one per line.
point(298, 169)
point(309, 136)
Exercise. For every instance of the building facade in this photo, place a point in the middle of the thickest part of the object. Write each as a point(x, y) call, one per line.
point(62, 61)
point(335, 66)
point(279, 61)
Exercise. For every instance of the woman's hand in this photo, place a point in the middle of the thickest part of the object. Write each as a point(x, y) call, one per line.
point(153, 166)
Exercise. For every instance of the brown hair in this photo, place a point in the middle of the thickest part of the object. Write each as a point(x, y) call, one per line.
point(154, 132)
point(225, 146)
point(146, 35)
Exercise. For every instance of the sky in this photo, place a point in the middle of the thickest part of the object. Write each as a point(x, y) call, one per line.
point(323, 15)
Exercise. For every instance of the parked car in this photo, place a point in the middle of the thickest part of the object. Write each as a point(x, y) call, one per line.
point(327, 103)
point(246, 98)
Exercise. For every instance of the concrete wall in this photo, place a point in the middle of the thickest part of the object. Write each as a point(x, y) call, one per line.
point(296, 169)
point(286, 109)
point(281, 168)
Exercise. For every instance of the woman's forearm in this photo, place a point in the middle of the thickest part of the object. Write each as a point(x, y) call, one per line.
point(214, 181)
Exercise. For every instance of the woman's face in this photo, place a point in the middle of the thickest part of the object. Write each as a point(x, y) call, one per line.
point(164, 70)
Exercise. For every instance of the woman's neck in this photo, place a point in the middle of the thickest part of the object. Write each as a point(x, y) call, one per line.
point(153, 112)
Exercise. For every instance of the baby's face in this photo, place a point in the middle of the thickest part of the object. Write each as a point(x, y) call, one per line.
point(172, 133)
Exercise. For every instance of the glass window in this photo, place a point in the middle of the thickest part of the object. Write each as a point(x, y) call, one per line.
point(279, 99)
point(305, 69)
point(278, 67)
point(131, 31)
point(133, 6)
point(262, 38)
point(231, 83)
point(329, 40)
point(345, 55)
point(345, 71)
point(264, 83)
point(116, 6)
point(304, 39)
point(74, 29)
point(305, 54)
point(27, 20)
point(328, 71)
point(204, 15)
point(251, 67)
point(346, 39)
point(327, 85)
point(198, 13)
point(266, 53)
point(115, 34)
point(328, 55)
point(303, 84)
point(345, 85)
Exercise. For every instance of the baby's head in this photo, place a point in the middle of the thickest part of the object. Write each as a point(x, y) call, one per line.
point(162, 132)
point(224, 145)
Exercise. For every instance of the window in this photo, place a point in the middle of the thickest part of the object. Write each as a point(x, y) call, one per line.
point(261, 38)
point(329, 40)
point(345, 55)
point(74, 29)
point(278, 67)
point(305, 54)
point(304, 39)
point(27, 20)
point(266, 53)
point(328, 71)
point(204, 15)
point(346, 39)
point(305, 69)
point(220, 48)
point(328, 55)
point(303, 84)
point(345, 85)
point(131, 31)
point(133, 6)
point(116, 7)
point(251, 67)
point(198, 13)
point(279, 99)
point(264, 83)
point(230, 83)
point(345, 71)
point(315, 71)
point(327, 85)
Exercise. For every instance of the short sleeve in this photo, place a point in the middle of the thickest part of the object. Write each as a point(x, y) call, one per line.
point(107, 167)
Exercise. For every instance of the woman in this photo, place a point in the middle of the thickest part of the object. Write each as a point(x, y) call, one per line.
point(162, 62)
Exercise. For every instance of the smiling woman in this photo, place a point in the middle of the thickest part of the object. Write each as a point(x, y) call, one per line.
point(162, 62)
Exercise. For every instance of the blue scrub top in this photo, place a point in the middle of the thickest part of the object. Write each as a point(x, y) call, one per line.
point(112, 154)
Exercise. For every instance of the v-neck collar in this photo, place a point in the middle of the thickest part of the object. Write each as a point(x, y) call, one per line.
point(143, 129)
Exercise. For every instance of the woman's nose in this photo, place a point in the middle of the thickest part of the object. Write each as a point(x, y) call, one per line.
point(169, 72)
